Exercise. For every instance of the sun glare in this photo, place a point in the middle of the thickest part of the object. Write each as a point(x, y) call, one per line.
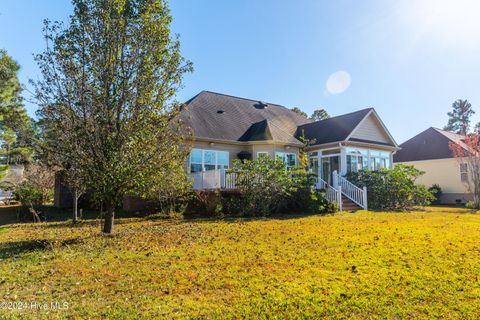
point(453, 22)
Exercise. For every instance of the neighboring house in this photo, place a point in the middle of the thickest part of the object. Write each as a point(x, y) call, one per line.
point(429, 151)
point(227, 127)
point(13, 177)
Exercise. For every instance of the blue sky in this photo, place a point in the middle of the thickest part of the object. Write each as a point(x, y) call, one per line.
point(408, 59)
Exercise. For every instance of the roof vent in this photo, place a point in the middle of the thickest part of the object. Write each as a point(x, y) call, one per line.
point(260, 105)
point(220, 111)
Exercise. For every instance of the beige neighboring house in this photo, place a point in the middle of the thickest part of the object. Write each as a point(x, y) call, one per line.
point(429, 151)
point(226, 128)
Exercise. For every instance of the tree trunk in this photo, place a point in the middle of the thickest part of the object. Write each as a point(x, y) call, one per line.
point(109, 216)
point(75, 206)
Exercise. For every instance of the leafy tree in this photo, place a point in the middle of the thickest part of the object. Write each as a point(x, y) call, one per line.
point(468, 155)
point(297, 110)
point(107, 99)
point(459, 117)
point(319, 114)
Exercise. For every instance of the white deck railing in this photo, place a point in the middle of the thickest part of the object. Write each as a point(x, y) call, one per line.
point(220, 179)
point(213, 179)
point(331, 194)
point(351, 191)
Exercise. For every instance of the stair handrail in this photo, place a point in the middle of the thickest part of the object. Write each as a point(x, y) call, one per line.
point(351, 191)
point(332, 194)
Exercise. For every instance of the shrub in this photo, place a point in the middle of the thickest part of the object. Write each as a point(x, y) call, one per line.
point(393, 189)
point(30, 196)
point(266, 186)
point(471, 205)
point(436, 192)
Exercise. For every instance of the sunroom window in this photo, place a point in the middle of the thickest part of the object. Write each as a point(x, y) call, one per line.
point(362, 159)
point(204, 160)
point(379, 160)
point(357, 159)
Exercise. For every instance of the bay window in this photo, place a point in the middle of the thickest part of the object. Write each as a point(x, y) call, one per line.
point(205, 160)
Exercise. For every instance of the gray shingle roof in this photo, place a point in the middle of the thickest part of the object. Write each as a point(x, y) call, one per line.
point(430, 144)
point(332, 129)
point(222, 117)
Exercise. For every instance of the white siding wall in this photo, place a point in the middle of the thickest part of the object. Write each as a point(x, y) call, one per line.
point(371, 130)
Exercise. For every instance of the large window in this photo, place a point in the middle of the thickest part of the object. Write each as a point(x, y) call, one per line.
point(362, 159)
point(379, 160)
point(357, 159)
point(204, 160)
point(289, 158)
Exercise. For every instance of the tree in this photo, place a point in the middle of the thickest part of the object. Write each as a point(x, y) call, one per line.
point(15, 125)
point(459, 117)
point(468, 157)
point(297, 110)
point(107, 99)
point(319, 114)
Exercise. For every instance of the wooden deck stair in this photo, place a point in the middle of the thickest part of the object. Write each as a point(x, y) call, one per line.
point(349, 205)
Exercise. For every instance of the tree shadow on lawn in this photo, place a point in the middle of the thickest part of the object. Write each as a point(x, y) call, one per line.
point(237, 219)
point(16, 248)
point(19, 214)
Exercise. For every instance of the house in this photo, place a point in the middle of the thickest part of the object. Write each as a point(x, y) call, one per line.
point(226, 127)
point(430, 152)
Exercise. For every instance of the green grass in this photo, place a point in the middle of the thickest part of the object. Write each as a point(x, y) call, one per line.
point(423, 264)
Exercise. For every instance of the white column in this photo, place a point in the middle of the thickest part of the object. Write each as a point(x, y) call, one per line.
point(335, 179)
point(365, 204)
point(343, 161)
point(222, 178)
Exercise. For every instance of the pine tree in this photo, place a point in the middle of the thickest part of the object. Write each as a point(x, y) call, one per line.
point(459, 117)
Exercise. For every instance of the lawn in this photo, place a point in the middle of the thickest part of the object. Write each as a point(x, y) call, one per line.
point(423, 264)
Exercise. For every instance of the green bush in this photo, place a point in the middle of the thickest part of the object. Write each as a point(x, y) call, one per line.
point(471, 205)
point(436, 192)
point(28, 195)
point(266, 187)
point(393, 189)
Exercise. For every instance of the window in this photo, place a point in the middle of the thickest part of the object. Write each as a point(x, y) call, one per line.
point(313, 165)
point(262, 154)
point(334, 151)
point(463, 172)
point(289, 158)
point(379, 159)
point(362, 159)
point(357, 159)
point(204, 160)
